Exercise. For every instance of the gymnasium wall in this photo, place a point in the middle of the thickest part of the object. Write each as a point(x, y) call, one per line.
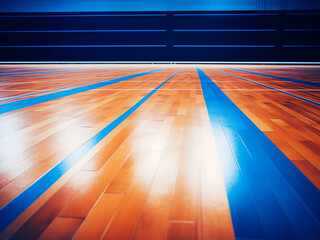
point(161, 36)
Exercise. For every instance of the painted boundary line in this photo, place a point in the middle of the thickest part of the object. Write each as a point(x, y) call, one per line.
point(19, 204)
point(316, 84)
point(56, 89)
point(268, 195)
point(292, 73)
point(12, 106)
point(76, 71)
point(39, 72)
point(275, 89)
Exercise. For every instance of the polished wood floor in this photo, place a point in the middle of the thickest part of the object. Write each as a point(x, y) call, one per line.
point(157, 172)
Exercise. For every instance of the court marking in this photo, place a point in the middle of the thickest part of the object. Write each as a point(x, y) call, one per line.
point(171, 89)
point(275, 89)
point(77, 71)
point(292, 73)
point(52, 76)
point(286, 202)
point(56, 89)
point(57, 80)
point(42, 72)
point(281, 78)
point(19, 104)
point(19, 204)
point(26, 70)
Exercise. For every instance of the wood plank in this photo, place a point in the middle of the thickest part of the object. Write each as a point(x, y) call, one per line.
point(182, 231)
point(61, 228)
point(99, 217)
point(153, 222)
point(124, 222)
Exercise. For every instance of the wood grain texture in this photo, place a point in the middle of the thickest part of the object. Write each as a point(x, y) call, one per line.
point(157, 174)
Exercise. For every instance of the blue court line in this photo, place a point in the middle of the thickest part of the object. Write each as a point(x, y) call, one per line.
point(80, 46)
point(12, 106)
point(307, 70)
point(56, 89)
point(304, 70)
point(45, 91)
point(80, 31)
point(19, 204)
point(224, 30)
point(286, 72)
point(23, 70)
point(71, 71)
point(259, 178)
point(275, 89)
point(316, 84)
point(228, 46)
point(32, 73)
point(41, 72)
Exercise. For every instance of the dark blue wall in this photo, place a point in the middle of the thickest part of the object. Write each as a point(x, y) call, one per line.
point(161, 36)
point(154, 5)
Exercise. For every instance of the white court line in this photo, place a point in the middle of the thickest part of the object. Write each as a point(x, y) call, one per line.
point(147, 89)
point(86, 75)
point(53, 80)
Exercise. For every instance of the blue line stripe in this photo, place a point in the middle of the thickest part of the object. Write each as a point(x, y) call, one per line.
point(307, 70)
point(280, 78)
point(222, 14)
point(74, 71)
point(80, 46)
point(285, 201)
point(45, 91)
point(57, 89)
point(225, 30)
point(12, 106)
point(19, 204)
point(228, 46)
point(33, 73)
point(24, 70)
point(286, 72)
point(80, 31)
point(276, 89)
point(86, 15)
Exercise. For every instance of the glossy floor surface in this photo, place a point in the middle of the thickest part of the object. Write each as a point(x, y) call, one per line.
point(159, 152)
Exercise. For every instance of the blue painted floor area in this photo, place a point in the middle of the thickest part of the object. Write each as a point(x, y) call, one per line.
point(269, 197)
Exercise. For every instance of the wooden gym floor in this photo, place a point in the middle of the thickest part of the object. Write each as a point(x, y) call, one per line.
point(159, 152)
